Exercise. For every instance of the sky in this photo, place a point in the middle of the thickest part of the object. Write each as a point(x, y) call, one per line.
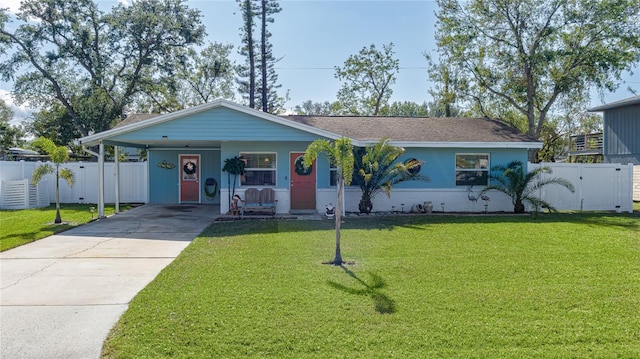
point(314, 36)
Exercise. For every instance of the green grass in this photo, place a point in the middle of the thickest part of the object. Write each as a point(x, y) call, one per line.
point(561, 286)
point(24, 226)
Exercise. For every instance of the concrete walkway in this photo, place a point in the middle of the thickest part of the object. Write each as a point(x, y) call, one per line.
point(61, 295)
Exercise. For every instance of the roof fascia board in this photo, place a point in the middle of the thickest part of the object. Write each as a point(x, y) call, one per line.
point(120, 144)
point(631, 101)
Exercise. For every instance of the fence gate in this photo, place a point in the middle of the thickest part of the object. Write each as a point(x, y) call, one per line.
point(598, 187)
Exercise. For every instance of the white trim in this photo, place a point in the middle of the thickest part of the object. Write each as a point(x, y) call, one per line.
point(526, 145)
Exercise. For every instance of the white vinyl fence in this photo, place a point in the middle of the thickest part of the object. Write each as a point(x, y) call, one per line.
point(636, 183)
point(133, 182)
point(23, 194)
point(599, 187)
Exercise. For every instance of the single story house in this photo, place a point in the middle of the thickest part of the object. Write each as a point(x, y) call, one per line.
point(187, 149)
point(621, 142)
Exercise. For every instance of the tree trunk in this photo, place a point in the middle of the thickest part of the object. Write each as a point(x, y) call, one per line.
point(337, 260)
point(250, 52)
point(365, 205)
point(58, 218)
point(518, 207)
point(263, 58)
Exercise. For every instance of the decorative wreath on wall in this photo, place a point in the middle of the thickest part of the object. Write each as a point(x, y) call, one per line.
point(414, 166)
point(189, 168)
point(300, 168)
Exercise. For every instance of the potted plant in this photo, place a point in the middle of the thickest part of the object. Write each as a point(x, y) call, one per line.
point(233, 166)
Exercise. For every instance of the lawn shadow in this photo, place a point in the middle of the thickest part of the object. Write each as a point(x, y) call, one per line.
point(383, 303)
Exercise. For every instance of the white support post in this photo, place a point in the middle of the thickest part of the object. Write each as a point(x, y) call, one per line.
point(101, 182)
point(117, 179)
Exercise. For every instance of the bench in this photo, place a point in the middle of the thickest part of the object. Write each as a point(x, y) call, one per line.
point(260, 201)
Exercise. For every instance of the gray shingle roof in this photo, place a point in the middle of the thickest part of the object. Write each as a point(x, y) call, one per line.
point(135, 118)
point(416, 129)
point(410, 129)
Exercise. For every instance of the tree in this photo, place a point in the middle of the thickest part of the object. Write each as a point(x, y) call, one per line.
point(406, 109)
point(377, 169)
point(447, 84)
point(529, 54)
point(247, 72)
point(269, 100)
point(311, 108)
point(260, 60)
point(340, 154)
point(234, 166)
point(59, 155)
point(93, 64)
point(54, 123)
point(367, 78)
point(10, 135)
point(520, 187)
point(200, 77)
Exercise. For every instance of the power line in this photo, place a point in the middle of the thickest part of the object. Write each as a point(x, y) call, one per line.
point(333, 68)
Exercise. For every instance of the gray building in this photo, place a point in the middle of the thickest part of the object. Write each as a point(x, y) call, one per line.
point(621, 143)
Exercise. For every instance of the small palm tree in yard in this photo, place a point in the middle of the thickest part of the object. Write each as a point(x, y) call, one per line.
point(512, 181)
point(59, 155)
point(340, 154)
point(377, 169)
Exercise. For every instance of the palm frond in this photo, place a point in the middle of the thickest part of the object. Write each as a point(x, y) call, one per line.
point(67, 175)
point(40, 172)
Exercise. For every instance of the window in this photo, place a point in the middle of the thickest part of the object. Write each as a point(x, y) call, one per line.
point(472, 169)
point(333, 177)
point(260, 169)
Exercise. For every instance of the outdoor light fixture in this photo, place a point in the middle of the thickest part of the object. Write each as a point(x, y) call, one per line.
point(165, 137)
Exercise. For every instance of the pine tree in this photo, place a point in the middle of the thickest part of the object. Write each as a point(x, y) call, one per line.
point(247, 72)
point(260, 90)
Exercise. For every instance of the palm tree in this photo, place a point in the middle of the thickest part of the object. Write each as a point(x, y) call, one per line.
point(377, 170)
point(59, 155)
point(512, 181)
point(340, 154)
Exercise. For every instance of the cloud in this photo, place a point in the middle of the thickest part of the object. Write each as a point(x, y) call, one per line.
point(20, 112)
point(13, 5)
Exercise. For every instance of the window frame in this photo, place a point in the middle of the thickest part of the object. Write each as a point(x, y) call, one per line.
point(486, 169)
point(273, 169)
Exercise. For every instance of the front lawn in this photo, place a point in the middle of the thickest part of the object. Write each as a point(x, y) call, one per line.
point(562, 285)
point(23, 226)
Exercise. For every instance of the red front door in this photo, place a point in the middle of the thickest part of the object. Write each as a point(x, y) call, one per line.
point(190, 178)
point(303, 183)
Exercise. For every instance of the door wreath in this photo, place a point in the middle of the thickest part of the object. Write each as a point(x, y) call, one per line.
point(300, 168)
point(189, 168)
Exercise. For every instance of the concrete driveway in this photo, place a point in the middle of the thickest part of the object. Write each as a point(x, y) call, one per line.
point(61, 295)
